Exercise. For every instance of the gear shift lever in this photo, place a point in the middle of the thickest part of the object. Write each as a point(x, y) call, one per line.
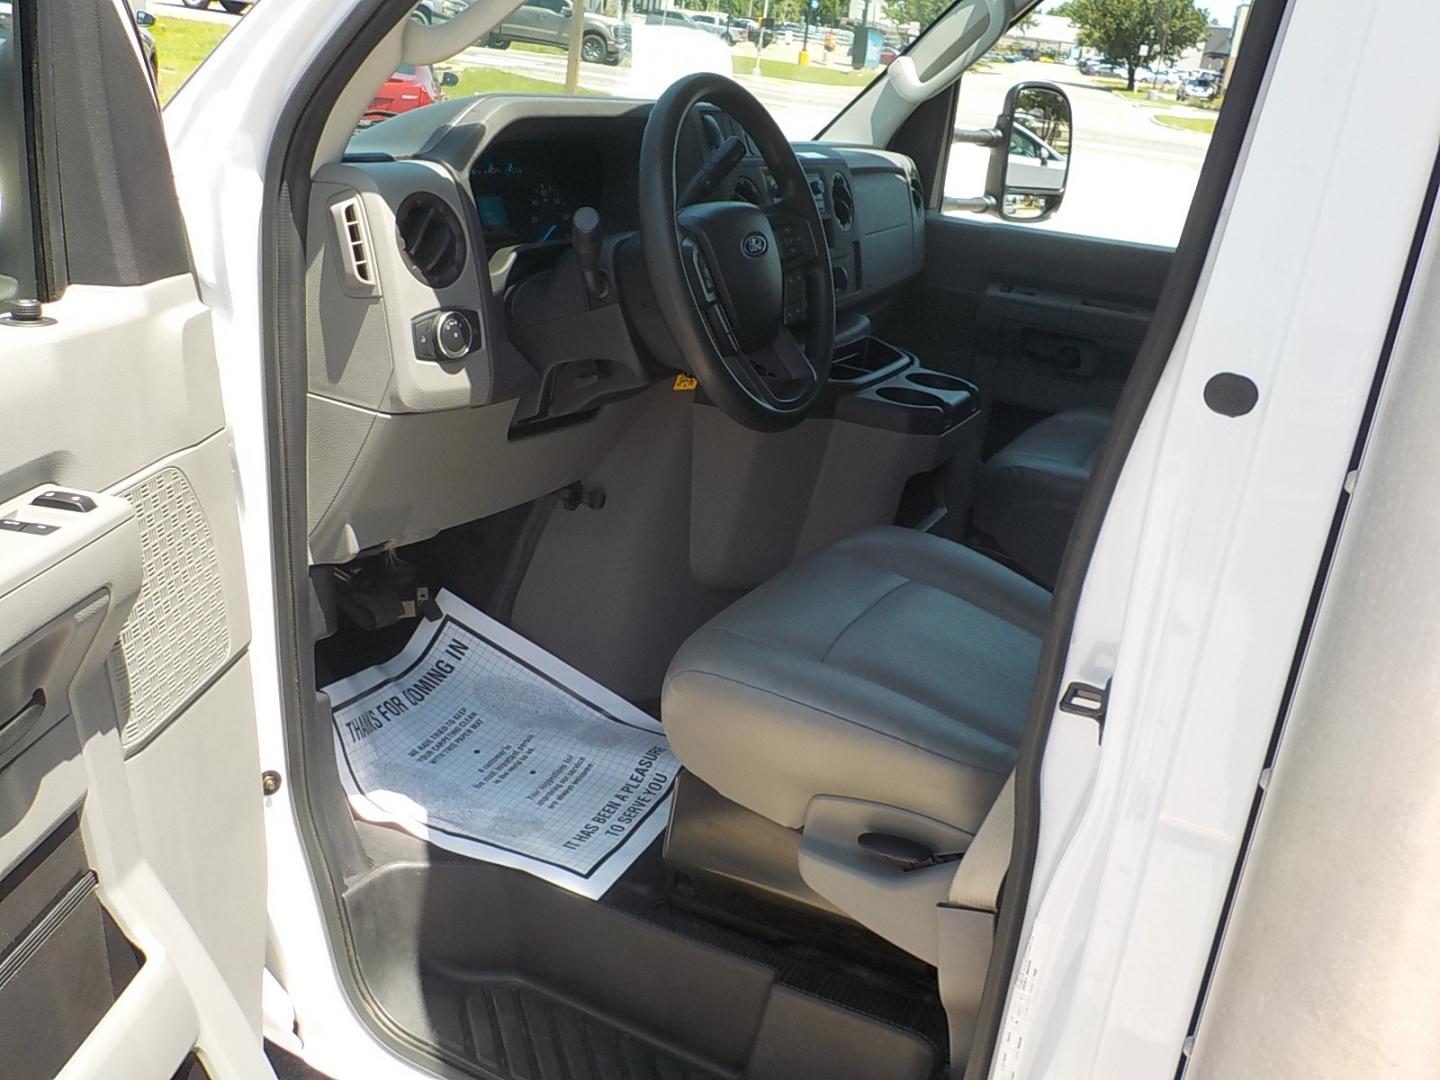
point(585, 239)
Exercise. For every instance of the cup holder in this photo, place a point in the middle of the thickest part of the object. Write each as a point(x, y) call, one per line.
point(903, 395)
point(936, 381)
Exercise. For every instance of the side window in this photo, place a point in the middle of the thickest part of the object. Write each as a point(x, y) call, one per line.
point(17, 242)
point(1143, 114)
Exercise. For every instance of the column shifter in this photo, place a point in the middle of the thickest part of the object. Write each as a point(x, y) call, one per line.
point(585, 239)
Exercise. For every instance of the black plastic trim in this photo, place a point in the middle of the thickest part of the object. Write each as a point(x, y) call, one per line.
point(1266, 18)
point(106, 180)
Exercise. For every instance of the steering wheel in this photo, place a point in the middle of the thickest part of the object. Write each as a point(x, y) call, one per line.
point(725, 273)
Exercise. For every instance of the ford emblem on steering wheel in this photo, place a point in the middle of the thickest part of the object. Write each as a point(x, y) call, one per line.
point(755, 245)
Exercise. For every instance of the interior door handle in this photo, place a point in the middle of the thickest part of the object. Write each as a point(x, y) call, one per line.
point(14, 730)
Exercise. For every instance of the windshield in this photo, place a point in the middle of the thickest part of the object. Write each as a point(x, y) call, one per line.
point(805, 60)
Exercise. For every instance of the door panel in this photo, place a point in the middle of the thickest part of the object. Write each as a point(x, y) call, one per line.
point(1039, 320)
point(132, 865)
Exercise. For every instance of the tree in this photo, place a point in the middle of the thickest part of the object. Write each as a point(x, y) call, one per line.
point(1123, 29)
point(923, 12)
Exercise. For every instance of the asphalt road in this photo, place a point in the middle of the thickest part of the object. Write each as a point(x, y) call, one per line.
point(1130, 178)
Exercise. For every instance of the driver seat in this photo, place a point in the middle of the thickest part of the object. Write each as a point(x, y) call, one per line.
point(877, 687)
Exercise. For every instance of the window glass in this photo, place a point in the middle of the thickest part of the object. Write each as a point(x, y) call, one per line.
point(1139, 134)
point(17, 245)
point(805, 60)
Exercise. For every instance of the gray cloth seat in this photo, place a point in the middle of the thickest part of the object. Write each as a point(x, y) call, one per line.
point(893, 667)
point(1027, 495)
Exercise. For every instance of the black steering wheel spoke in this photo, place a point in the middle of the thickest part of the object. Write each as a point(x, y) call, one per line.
point(731, 280)
point(799, 248)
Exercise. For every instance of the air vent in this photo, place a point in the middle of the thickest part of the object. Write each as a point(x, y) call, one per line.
point(843, 200)
point(917, 193)
point(357, 265)
point(432, 239)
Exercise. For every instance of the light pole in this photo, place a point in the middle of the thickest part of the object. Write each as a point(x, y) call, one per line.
point(760, 35)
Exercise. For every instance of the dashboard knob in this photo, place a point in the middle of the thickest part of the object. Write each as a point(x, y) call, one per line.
point(454, 337)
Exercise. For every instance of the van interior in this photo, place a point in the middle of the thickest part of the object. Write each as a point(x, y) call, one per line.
point(801, 498)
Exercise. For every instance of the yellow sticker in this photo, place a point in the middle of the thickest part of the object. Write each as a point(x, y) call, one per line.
point(684, 382)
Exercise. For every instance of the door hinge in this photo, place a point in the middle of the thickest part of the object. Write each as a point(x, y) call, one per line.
point(1082, 699)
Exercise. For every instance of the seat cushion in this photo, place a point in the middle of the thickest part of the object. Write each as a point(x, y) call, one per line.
point(1027, 495)
point(894, 667)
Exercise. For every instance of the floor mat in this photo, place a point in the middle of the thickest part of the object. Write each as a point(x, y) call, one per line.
point(483, 744)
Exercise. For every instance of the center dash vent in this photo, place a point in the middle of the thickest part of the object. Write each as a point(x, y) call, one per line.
point(357, 266)
point(432, 239)
point(843, 199)
point(917, 193)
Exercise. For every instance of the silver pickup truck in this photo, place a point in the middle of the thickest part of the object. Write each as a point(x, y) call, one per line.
point(606, 40)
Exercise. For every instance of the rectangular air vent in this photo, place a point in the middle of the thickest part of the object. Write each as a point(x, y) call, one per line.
point(358, 276)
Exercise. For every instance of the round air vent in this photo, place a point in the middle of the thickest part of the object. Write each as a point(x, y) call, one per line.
point(746, 190)
point(917, 193)
point(843, 200)
point(432, 239)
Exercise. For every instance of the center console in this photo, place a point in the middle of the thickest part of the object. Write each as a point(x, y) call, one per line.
point(893, 442)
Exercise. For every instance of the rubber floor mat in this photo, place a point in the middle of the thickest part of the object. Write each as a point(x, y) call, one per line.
point(523, 1033)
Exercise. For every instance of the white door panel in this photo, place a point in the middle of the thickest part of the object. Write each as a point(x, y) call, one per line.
point(132, 861)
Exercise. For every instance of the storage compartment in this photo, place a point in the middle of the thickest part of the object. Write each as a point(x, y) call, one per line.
point(865, 361)
point(63, 961)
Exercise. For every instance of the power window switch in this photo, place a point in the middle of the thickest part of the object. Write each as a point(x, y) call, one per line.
point(36, 528)
point(64, 500)
point(11, 525)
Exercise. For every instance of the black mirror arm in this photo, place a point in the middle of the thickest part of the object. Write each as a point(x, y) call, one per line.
point(992, 136)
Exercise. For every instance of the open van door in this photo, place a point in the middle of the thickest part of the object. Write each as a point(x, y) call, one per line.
point(132, 860)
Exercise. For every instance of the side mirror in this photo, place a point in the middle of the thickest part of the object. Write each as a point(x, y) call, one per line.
point(449, 78)
point(1030, 162)
point(144, 18)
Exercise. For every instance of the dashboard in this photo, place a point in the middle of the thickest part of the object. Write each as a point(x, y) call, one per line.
point(447, 324)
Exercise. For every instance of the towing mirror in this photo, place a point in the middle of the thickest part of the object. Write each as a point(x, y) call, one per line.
point(1031, 162)
point(1029, 155)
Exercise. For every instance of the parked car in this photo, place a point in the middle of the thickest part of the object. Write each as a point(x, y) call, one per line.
point(428, 11)
point(670, 17)
point(411, 87)
point(144, 20)
point(719, 24)
point(1034, 164)
point(888, 52)
point(1201, 88)
point(234, 7)
point(605, 40)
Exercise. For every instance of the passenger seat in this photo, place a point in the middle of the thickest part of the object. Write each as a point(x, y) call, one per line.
point(1027, 494)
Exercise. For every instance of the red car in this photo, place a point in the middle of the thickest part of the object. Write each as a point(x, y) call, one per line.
point(409, 88)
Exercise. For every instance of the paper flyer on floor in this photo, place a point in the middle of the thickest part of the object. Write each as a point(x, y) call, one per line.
point(483, 744)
